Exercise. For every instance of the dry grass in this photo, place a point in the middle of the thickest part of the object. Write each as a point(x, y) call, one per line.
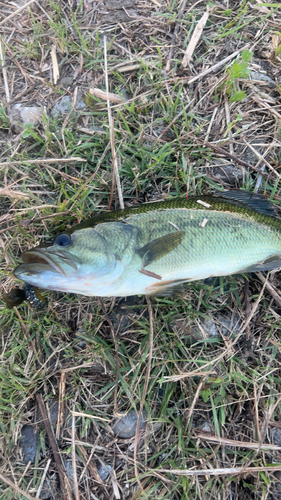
point(212, 386)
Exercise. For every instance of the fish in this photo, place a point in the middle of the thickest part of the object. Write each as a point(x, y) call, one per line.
point(155, 247)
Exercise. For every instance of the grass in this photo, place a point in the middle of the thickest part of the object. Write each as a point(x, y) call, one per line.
point(235, 398)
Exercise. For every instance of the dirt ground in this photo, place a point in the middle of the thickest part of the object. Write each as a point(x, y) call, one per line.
point(114, 103)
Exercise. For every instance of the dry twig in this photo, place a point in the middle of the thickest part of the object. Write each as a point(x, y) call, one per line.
point(101, 94)
point(148, 368)
point(61, 404)
point(217, 65)
point(15, 487)
point(116, 356)
point(231, 156)
point(235, 443)
point(195, 38)
point(64, 481)
point(261, 158)
point(4, 71)
point(111, 126)
point(42, 160)
point(4, 21)
point(220, 472)
point(56, 71)
point(274, 294)
point(43, 478)
point(76, 489)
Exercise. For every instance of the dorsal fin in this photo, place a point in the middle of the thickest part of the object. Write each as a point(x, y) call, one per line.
point(255, 201)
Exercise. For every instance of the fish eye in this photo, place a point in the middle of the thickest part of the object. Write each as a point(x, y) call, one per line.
point(63, 240)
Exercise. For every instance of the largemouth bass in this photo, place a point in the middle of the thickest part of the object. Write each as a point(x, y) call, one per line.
point(150, 248)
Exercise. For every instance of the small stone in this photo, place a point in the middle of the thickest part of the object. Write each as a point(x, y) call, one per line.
point(227, 172)
point(120, 16)
point(53, 410)
point(228, 326)
point(120, 321)
point(206, 427)
point(104, 471)
point(66, 81)
point(276, 436)
point(69, 469)
point(20, 116)
point(98, 368)
point(28, 443)
point(125, 427)
point(210, 327)
point(78, 334)
point(217, 326)
point(261, 77)
point(63, 106)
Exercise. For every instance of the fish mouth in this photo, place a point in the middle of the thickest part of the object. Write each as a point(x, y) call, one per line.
point(37, 260)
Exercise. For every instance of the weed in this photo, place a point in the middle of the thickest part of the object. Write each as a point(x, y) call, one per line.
point(239, 69)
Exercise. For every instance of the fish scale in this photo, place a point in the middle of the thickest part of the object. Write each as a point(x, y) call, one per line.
point(228, 244)
point(149, 248)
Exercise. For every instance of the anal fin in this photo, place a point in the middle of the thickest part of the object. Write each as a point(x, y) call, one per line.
point(272, 262)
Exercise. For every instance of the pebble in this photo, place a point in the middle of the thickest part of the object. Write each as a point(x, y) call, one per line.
point(261, 77)
point(206, 427)
point(120, 321)
point(78, 334)
point(228, 326)
point(220, 325)
point(66, 81)
point(104, 471)
point(28, 443)
point(69, 469)
point(210, 327)
point(276, 436)
point(63, 106)
point(20, 116)
point(227, 172)
point(53, 410)
point(125, 427)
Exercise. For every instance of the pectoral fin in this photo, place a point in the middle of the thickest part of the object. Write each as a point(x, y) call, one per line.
point(269, 264)
point(160, 247)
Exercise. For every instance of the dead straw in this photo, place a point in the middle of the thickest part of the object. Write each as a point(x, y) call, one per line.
point(111, 127)
point(4, 21)
point(64, 481)
point(15, 487)
point(148, 368)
